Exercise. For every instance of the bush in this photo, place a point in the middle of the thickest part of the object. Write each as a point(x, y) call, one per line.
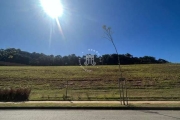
point(14, 94)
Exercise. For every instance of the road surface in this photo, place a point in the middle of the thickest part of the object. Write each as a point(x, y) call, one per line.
point(88, 115)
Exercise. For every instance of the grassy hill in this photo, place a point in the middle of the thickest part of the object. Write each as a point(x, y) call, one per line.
point(144, 82)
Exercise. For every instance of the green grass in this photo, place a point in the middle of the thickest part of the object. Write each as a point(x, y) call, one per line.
point(59, 105)
point(68, 105)
point(145, 82)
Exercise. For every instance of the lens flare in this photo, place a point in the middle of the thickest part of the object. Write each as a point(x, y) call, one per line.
point(59, 26)
point(52, 7)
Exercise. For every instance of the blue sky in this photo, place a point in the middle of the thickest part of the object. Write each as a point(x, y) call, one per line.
point(141, 27)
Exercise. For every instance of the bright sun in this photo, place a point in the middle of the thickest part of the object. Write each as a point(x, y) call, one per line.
point(52, 7)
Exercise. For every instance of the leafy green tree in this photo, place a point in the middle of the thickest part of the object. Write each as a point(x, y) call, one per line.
point(39, 59)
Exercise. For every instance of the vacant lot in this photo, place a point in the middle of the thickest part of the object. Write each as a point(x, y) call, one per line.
point(145, 82)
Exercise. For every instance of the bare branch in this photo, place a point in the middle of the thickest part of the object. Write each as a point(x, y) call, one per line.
point(108, 35)
point(106, 38)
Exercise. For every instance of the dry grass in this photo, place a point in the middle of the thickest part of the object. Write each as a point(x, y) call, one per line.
point(145, 82)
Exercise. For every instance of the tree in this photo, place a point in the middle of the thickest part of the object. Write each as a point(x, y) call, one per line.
point(58, 60)
point(17, 56)
point(162, 61)
point(129, 55)
point(108, 36)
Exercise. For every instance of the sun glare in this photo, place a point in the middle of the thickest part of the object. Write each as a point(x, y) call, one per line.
point(52, 7)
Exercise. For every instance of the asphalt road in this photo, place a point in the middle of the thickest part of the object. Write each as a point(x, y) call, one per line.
point(88, 115)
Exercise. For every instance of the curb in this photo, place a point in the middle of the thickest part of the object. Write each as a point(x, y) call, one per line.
point(90, 108)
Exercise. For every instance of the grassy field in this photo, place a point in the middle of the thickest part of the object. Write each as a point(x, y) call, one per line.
point(145, 82)
point(112, 105)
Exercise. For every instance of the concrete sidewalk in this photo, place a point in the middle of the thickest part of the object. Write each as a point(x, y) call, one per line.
point(92, 105)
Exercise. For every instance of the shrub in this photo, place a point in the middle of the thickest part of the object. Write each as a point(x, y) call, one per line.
point(15, 94)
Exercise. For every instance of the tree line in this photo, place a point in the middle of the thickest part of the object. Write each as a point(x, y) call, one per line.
point(18, 56)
